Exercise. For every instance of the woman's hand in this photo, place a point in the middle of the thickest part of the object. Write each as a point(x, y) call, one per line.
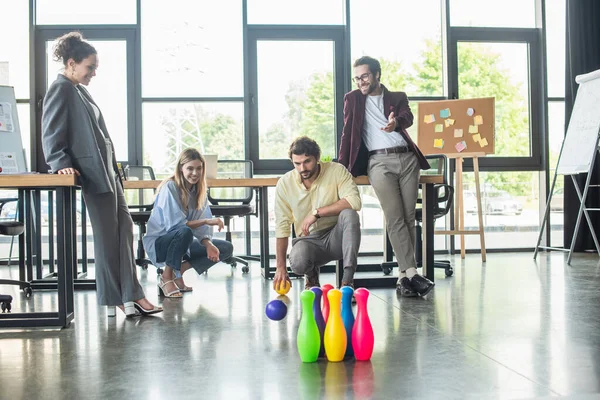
point(68, 171)
point(216, 222)
point(212, 252)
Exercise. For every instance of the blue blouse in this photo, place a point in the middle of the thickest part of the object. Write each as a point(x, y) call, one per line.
point(168, 213)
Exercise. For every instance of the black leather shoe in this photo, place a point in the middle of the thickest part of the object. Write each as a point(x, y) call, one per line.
point(421, 285)
point(404, 288)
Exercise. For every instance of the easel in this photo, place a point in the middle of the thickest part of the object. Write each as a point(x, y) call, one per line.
point(578, 154)
point(459, 214)
point(583, 210)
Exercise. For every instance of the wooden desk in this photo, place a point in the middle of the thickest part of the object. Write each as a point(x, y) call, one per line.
point(262, 185)
point(65, 186)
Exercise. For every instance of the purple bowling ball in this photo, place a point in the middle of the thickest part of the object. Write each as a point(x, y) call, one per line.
point(276, 310)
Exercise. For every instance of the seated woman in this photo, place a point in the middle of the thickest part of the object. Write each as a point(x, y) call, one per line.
point(179, 231)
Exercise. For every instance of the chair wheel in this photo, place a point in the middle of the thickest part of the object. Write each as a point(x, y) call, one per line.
point(5, 306)
point(449, 271)
point(233, 264)
point(159, 271)
point(245, 269)
point(386, 270)
point(28, 291)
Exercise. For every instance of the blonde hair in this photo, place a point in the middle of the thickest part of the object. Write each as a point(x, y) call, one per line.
point(185, 157)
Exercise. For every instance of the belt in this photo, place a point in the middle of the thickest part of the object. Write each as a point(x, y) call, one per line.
point(391, 150)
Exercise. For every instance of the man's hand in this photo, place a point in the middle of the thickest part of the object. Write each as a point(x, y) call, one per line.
point(216, 222)
point(212, 252)
point(280, 277)
point(391, 126)
point(68, 171)
point(308, 221)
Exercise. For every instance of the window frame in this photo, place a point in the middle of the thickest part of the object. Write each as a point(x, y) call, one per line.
point(255, 33)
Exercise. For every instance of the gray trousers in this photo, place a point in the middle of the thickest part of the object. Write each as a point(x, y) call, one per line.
point(309, 253)
point(395, 179)
point(116, 279)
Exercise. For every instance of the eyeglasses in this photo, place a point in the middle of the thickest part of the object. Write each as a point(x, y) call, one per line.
point(364, 77)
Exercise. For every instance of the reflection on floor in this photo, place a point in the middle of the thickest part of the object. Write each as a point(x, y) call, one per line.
point(511, 329)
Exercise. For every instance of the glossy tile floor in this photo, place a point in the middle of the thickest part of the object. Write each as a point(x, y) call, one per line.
point(513, 329)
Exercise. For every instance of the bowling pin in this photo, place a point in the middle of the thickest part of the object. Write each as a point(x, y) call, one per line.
point(362, 333)
point(335, 332)
point(319, 317)
point(326, 288)
point(348, 317)
point(308, 338)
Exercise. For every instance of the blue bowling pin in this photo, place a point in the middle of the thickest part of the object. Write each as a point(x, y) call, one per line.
point(319, 317)
point(348, 317)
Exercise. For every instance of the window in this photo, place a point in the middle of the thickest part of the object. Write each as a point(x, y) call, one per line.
point(297, 100)
point(192, 49)
point(555, 46)
point(510, 206)
point(499, 70)
point(307, 12)
point(84, 12)
point(493, 13)
point(212, 128)
point(14, 50)
point(413, 66)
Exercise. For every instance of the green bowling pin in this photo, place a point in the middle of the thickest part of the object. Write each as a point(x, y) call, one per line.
point(309, 338)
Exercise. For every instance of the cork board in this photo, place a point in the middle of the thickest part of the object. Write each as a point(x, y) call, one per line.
point(457, 126)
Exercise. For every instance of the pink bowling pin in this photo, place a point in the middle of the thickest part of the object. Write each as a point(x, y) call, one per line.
point(362, 333)
point(335, 332)
point(326, 288)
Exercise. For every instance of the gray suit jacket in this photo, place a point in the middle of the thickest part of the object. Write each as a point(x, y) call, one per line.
point(70, 135)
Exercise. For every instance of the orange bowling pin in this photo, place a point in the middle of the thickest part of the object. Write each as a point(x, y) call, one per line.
point(335, 332)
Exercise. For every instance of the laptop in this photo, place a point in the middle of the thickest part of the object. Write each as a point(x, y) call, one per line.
point(211, 165)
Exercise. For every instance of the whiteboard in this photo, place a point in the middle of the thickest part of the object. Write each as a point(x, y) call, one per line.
point(12, 156)
point(581, 139)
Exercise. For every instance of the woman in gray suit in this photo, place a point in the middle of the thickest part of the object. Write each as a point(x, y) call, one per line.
point(75, 141)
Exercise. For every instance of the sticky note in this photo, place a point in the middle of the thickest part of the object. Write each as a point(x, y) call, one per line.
point(470, 112)
point(477, 137)
point(458, 133)
point(478, 119)
point(460, 146)
point(445, 113)
point(449, 122)
point(429, 118)
point(473, 129)
point(483, 142)
point(438, 143)
point(439, 128)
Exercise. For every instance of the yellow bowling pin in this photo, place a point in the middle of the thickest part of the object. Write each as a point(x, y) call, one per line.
point(335, 333)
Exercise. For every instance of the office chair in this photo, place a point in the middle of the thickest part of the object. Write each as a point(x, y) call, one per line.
point(140, 207)
point(12, 228)
point(444, 195)
point(3, 202)
point(228, 203)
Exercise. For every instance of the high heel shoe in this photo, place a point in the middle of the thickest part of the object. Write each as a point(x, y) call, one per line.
point(173, 294)
point(143, 311)
point(128, 308)
point(184, 288)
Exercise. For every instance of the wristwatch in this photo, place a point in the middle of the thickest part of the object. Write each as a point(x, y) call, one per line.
point(315, 213)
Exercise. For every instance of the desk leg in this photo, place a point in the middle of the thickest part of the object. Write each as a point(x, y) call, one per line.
point(263, 205)
point(21, 213)
point(29, 234)
point(64, 254)
point(428, 226)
